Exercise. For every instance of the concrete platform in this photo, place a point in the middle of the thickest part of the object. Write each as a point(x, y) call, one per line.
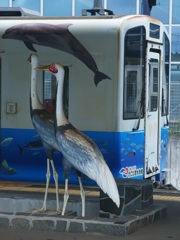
point(17, 212)
point(50, 221)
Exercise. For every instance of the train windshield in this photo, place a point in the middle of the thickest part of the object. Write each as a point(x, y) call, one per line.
point(134, 60)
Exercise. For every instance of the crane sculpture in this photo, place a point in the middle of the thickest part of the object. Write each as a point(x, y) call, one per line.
point(44, 125)
point(45, 128)
point(78, 149)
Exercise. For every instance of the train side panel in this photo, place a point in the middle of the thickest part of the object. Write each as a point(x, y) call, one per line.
point(95, 110)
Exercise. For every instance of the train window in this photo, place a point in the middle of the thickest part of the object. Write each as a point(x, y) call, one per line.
point(153, 85)
point(134, 73)
point(49, 91)
point(154, 30)
point(165, 79)
point(49, 98)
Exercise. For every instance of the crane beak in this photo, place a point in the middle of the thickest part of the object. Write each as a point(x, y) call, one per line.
point(45, 68)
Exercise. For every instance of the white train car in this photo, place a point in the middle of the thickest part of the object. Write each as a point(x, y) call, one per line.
point(126, 114)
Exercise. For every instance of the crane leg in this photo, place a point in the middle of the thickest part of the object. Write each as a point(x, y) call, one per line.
point(82, 196)
point(48, 174)
point(66, 197)
point(55, 175)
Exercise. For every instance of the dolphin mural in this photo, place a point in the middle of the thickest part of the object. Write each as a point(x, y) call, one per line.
point(54, 36)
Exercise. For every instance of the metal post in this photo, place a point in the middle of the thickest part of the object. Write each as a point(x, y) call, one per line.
point(98, 4)
point(97, 8)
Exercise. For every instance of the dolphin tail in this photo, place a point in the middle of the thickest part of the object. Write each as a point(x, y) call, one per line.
point(99, 76)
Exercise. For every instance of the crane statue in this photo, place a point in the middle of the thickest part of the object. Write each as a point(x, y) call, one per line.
point(78, 149)
point(44, 125)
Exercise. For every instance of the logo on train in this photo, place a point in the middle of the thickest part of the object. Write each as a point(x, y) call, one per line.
point(130, 172)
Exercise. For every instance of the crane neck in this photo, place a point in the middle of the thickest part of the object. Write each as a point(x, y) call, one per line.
point(60, 115)
point(35, 102)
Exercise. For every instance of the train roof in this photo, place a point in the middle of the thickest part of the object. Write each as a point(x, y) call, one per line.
point(12, 27)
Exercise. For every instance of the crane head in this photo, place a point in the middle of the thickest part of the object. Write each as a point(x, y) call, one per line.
point(54, 68)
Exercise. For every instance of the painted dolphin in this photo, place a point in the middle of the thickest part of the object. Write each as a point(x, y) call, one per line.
point(54, 36)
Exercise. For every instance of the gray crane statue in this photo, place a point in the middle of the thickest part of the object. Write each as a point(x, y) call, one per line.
point(78, 149)
point(44, 125)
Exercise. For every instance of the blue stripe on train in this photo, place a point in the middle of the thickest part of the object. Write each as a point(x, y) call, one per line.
point(23, 157)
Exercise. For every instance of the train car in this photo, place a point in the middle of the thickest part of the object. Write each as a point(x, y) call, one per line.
point(116, 91)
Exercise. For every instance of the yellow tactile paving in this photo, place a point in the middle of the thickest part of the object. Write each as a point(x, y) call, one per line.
point(28, 187)
point(166, 198)
point(93, 193)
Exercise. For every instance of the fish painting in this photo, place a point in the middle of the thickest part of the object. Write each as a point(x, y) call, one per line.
point(6, 169)
point(6, 141)
point(36, 145)
point(57, 37)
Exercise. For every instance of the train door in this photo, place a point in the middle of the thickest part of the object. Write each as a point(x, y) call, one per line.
point(153, 112)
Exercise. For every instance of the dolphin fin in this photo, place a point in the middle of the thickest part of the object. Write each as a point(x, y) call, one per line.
point(30, 46)
point(20, 149)
point(99, 76)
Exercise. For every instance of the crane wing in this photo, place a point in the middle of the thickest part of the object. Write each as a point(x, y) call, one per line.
point(85, 156)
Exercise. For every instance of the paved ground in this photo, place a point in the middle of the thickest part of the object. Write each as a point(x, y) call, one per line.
point(167, 228)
